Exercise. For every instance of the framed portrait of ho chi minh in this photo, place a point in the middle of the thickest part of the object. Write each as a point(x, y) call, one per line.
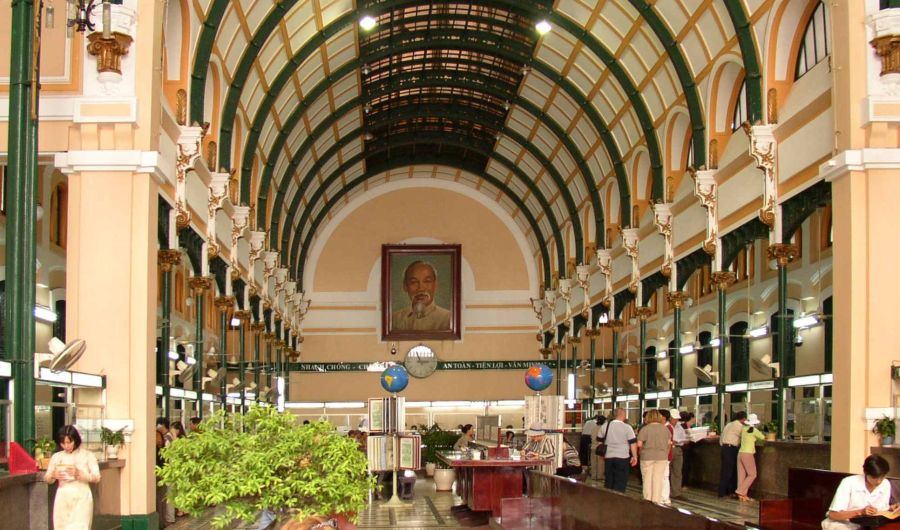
point(420, 292)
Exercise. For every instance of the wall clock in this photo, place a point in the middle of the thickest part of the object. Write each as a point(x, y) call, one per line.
point(420, 361)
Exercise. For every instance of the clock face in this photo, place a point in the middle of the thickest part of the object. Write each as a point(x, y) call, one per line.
point(420, 361)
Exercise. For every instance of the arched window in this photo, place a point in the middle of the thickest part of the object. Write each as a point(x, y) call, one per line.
point(740, 108)
point(816, 44)
point(59, 208)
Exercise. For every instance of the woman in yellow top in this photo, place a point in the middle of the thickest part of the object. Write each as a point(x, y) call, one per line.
point(747, 456)
point(75, 468)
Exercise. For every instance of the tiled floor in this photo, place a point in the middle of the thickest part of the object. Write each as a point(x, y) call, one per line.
point(432, 510)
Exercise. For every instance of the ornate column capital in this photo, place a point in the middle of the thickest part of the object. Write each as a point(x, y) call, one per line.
point(256, 240)
point(707, 190)
point(243, 315)
point(644, 313)
point(188, 151)
point(224, 303)
point(258, 327)
point(662, 218)
point(885, 25)
point(109, 51)
point(168, 258)
point(783, 253)
point(199, 284)
point(630, 241)
point(677, 298)
point(269, 338)
point(722, 280)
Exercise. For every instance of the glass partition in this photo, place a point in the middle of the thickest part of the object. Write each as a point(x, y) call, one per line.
point(808, 413)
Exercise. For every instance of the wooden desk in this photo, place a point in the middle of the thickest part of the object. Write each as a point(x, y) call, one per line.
point(483, 484)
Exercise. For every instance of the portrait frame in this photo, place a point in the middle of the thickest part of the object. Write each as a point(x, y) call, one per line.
point(445, 260)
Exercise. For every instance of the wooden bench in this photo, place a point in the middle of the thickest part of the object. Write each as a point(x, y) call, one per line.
point(810, 492)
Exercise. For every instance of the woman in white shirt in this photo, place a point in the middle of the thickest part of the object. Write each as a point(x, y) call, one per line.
point(858, 495)
point(75, 469)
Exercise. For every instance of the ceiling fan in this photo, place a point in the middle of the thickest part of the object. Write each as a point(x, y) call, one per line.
point(235, 386)
point(64, 355)
point(663, 382)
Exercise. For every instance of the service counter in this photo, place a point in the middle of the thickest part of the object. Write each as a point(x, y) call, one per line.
point(773, 459)
point(35, 497)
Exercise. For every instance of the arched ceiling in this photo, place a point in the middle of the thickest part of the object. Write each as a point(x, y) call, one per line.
point(315, 105)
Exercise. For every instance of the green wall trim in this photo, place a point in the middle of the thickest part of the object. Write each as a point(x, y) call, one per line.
point(747, 44)
point(148, 521)
point(299, 260)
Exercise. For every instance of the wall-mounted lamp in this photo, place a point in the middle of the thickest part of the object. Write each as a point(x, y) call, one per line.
point(44, 313)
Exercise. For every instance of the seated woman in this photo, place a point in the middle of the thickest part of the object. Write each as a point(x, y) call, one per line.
point(571, 461)
point(538, 445)
point(468, 433)
point(858, 495)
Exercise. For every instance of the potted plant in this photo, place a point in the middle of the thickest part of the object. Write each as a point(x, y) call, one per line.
point(885, 428)
point(44, 447)
point(771, 430)
point(435, 439)
point(113, 440)
point(264, 460)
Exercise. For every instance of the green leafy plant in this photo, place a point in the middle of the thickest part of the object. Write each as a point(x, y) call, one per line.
point(111, 437)
point(769, 426)
point(435, 439)
point(885, 427)
point(264, 460)
point(46, 445)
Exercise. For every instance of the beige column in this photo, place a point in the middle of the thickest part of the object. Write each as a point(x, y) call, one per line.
point(111, 280)
point(865, 175)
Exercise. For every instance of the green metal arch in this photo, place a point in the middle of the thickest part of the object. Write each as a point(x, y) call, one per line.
point(295, 202)
point(752, 76)
point(348, 106)
point(423, 160)
point(554, 174)
point(691, 95)
point(201, 59)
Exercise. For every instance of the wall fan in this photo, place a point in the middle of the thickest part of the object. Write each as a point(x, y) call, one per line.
point(217, 376)
point(603, 390)
point(706, 375)
point(765, 366)
point(663, 382)
point(631, 387)
point(235, 386)
point(186, 372)
point(64, 355)
point(250, 387)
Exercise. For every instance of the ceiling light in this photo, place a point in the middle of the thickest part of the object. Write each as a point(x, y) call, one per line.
point(506, 105)
point(604, 318)
point(661, 354)
point(172, 355)
point(190, 360)
point(687, 348)
point(235, 322)
point(543, 27)
point(367, 22)
point(367, 108)
point(366, 70)
point(715, 342)
point(806, 321)
point(369, 136)
point(761, 331)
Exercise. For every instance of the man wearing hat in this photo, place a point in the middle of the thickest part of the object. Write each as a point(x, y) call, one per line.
point(538, 446)
point(679, 440)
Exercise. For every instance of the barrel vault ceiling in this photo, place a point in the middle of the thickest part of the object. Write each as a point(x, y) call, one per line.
point(555, 127)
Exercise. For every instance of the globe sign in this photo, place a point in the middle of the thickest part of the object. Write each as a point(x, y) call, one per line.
point(394, 378)
point(538, 377)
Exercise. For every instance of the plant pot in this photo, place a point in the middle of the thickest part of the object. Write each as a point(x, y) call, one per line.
point(770, 436)
point(112, 452)
point(444, 479)
point(429, 469)
point(43, 463)
point(887, 440)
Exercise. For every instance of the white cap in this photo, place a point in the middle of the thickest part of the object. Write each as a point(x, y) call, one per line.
point(675, 413)
point(752, 419)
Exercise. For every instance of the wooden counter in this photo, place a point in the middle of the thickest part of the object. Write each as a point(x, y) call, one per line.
point(483, 484)
point(773, 459)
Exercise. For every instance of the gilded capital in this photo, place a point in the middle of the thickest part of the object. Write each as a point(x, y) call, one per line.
point(677, 299)
point(722, 280)
point(258, 327)
point(888, 49)
point(783, 253)
point(224, 303)
point(644, 313)
point(109, 51)
point(168, 258)
point(242, 315)
point(199, 284)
